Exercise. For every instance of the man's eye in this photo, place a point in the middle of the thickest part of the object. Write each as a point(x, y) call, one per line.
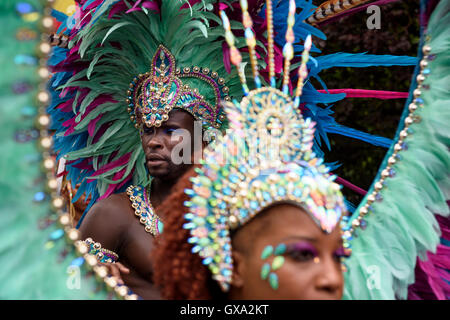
point(148, 130)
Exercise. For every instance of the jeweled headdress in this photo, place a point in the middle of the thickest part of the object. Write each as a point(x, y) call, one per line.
point(154, 94)
point(148, 57)
point(266, 158)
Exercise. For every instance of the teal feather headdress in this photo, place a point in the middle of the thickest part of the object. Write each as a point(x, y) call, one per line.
point(113, 48)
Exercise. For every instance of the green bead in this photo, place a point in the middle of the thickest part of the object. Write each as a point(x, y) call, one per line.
point(273, 281)
point(214, 270)
point(265, 271)
point(199, 201)
point(203, 242)
point(266, 252)
point(280, 249)
point(277, 262)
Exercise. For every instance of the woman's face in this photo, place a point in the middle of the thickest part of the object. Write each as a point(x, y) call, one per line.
point(311, 268)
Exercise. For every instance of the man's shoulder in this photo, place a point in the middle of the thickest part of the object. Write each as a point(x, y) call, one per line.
point(115, 206)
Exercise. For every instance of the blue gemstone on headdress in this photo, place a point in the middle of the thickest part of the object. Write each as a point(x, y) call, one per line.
point(254, 205)
point(243, 212)
point(419, 100)
point(192, 240)
point(281, 192)
point(426, 71)
point(243, 169)
point(226, 272)
point(222, 205)
point(55, 235)
point(24, 8)
point(77, 262)
point(196, 249)
point(207, 261)
point(226, 247)
point(234, 178)
point(227, 191)
point(266, 196)
point(39, 196)
point(297, 193)
point(189, 225)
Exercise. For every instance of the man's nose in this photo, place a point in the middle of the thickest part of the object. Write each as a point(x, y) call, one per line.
point(155, 141)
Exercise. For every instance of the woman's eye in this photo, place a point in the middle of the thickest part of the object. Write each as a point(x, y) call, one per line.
point(340, 253)
point(302, 255)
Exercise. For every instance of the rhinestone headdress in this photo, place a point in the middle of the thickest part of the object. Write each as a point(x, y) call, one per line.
point(264, 159)
point(154, 94)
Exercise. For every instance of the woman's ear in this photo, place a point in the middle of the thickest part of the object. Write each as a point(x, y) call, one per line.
point(237, 280)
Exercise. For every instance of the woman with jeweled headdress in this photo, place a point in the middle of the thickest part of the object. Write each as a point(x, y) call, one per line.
point(264, 212)
point(263, 218)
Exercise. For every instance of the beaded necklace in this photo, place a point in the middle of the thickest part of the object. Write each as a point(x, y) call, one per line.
point(140, 201)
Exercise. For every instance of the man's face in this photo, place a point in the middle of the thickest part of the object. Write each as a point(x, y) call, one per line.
point(158, 144)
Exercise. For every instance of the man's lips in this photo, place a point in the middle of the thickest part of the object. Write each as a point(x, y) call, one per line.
point(155, 159)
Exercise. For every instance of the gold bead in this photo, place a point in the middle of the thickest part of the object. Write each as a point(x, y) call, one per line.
point(205, 70)
point(378, 186)
point(225, 89)
point(392, 160)
point(48, 163)
point(412, 107)
point(385, 173)
point(423, 63)
point(52, 184)
point(45, 48)
point(46, 142)
point(420, 78)
point(43, 97)
point(64, 219)
point(47, 22)
point(186, 70)
point(371, 197)
point(43, 120)
point(73, 234)
point(111, 282)
point(131, 297)
point(426, 50)
point(122, 291)
point(214, 74)
point(196, 69)
point(58, 202)
point(398, 147)
point(233, 221)
point(221, 81)
point(90, 259)
point(101, 271)
point(82, 247)
point(408, 121)
point(355, 223)
point(43, 73)
point(403, 134)
point(417, 93)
